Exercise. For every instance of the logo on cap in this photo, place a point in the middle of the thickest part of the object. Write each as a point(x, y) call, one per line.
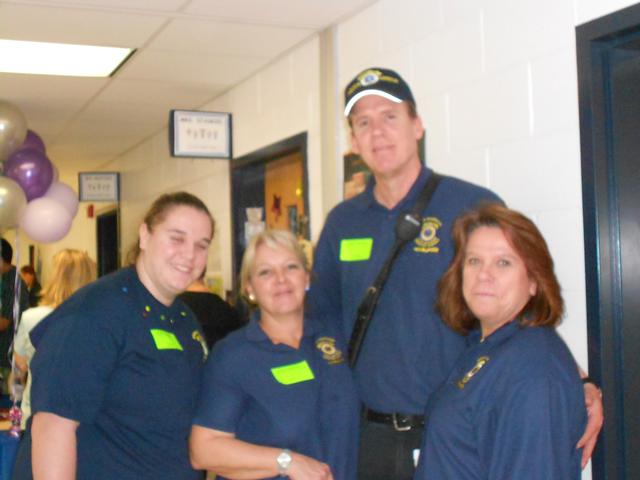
point(369, 77)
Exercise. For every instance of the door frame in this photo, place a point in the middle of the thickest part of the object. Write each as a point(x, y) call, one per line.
point(595, 42)
point(294, 144)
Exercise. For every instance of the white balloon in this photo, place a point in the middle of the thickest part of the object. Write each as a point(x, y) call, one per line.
point(13, 128)
point(64, 194)
point(45, 220)
point(12, 203)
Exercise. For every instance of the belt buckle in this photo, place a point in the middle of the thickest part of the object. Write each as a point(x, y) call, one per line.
point(397, 427)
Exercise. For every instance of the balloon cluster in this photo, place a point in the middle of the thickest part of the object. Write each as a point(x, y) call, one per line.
point(30, 195)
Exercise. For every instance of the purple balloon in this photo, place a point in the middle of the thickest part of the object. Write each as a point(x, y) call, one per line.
point(33, 140)
point(31, 169)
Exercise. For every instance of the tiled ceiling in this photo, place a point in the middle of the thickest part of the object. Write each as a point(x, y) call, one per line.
point(188, 52)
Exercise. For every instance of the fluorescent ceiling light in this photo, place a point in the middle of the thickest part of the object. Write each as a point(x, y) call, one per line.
point(43, 58)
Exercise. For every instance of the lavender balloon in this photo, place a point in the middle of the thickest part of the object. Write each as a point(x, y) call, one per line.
point(64, 195)
point(33, 140)
point(45, 220)
point(31, 169)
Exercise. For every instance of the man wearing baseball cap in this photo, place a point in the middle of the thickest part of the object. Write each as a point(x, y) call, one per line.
point(407, 351)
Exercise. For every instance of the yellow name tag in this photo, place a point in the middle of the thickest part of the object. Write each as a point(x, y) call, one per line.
point(355, 249)
point(294, 373)
point(165, 340)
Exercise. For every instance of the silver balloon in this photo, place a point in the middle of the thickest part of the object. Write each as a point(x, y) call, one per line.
point(12, 203)
point(13, 129)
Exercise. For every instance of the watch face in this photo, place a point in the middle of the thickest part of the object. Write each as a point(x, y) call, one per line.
point(284, 460)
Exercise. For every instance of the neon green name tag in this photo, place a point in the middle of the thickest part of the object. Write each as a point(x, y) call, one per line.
point(165, 340)
point(355, 249)
point(294, 373)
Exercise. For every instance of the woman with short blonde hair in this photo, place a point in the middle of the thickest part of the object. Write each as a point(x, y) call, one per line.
point(277, 396)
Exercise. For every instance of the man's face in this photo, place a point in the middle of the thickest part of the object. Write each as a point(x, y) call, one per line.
point(385, 136)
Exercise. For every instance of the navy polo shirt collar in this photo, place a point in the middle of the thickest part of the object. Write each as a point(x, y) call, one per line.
point(133, 279)
point(502, 334)
point(255, 333)
point(368, 199)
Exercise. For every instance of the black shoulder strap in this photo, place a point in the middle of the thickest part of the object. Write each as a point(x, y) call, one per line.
point(407, 228)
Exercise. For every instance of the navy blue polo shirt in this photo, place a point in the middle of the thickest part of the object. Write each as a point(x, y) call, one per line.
point(408, 351)
point(128, 369)
point(278, 396)
point(513, 407)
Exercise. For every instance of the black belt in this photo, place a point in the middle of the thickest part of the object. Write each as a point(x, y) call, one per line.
point(401, 422)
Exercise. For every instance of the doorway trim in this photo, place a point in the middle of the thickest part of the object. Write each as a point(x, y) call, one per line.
point(595, 44)
point(294, 144)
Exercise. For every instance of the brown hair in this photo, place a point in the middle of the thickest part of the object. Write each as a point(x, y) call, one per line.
point(28, 269)
point(272, 239)
point(545, 308)
point(72, 269)
point(159, 210)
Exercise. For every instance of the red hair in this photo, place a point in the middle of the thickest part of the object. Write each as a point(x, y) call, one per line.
point(545, 308)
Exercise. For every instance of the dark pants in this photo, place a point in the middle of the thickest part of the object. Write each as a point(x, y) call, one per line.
point(386, 454)
point(22, 467)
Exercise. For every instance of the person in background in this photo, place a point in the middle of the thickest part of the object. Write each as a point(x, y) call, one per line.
point(217, 318)
point(117, 366)
point(71, 270)
point(277, 397)
point(8, 275)
point(407, 352)
point(30, 278)
point(513, 406)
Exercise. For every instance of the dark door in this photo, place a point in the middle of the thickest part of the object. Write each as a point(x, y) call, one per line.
point(609, 74)
point(108, 243)
point(625, 93)
point(248, 192)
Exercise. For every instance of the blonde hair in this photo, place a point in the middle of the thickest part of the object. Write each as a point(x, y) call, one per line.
point(72, 269)
point(272, 239)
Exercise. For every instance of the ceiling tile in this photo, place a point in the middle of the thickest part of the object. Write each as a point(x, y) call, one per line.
point(68, 25)
point(228, 38)
point(217, 72)
point(301, 13)
point(149, 5)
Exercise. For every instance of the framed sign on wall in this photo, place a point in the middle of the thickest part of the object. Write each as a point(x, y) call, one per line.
point(200, 134)
point(99, 186)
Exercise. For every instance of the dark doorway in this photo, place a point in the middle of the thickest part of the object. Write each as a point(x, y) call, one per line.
point(108, 242)
point(274, 179)
point(609, 81)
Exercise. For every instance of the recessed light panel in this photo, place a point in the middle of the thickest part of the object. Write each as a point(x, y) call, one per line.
point(43, 58)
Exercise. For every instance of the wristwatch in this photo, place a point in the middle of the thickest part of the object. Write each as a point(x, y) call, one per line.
point(284, 460)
